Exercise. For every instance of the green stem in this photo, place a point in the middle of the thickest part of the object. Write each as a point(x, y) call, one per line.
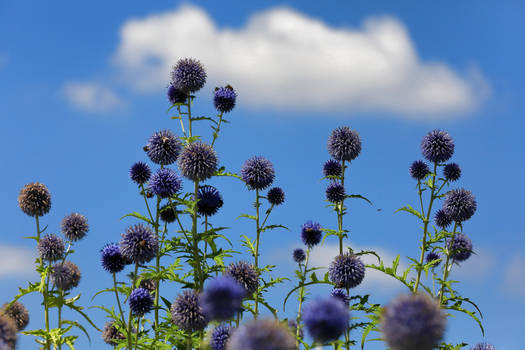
point(340, 210)
point(257, 205)
point(37, 229)
point(205, 241)
point(130, 344)
point(157, 267)
point(46, 306)
point(189, 115)
point(118, 300)
point(189, 343)
point(146, 201)
point(216, 133)
point(301, 297)
point(446, 269)
point(197, 272)
point(137, 337)
point(60, 314)
point(181, 122)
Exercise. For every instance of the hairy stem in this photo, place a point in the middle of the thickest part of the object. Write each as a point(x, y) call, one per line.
point(197, 262)
point(257, 239)
point(301, 297)
point(340, 207)
point(447, 268)
point(216, 133)
point(134, 281)
point(118, 300)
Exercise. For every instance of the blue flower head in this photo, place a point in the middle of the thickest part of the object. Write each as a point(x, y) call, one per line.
point(224, 99)
point(341, 295)
point(275, 196)
point(442, 219)
point(139, 244)
point(66, 275)
point(311, 233)
point(110, 334)
point(51, 247)
point(332, 168)
point(140, 301)
point(187, 313)
point(437, 146)
point(210, 200)
point(168, 213)
point(335, 192)
point(198, 161)
point(188, 75)
point(299, 255)
point(344, 144)
point(257, 173)
point(326, 319)
point(163, 147)
point(140, 173)
point(245, 275)
point(460, 204)
point(346, 271)
point(461, 247)
point(431, 256)
point(222, 298)
point(165, 183)
point(220, 336)
point(112, 259)
point(483, 346)
point(175, 95)
point(74, 226)
point(262, 334)
point(452, 172)
point(419, 170)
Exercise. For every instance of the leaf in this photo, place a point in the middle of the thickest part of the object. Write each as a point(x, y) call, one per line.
point(412, 211)
point(139, 216)
point(358, 196)
point(79, 326)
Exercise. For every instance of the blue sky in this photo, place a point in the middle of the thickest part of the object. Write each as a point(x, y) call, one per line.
point(82, 87)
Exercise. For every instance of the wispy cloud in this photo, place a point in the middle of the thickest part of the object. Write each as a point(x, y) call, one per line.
point(91, 97)
point(514, 277)
point(16, 261)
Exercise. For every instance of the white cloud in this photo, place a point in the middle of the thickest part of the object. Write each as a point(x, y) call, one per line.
point(16, 261)
point(514, 278)
point(91, 97)
point(286, 60)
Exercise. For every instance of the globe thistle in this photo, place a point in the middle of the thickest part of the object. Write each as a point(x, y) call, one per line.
point(220, 336)
point(460, 204)
point(335, 192)
point(165, 183)
point(51, 247)
point(187, 313)
point(175, 95)
point(224, 99)
point(299, 255)
point(74, 226)
point(262, 334)
point(419, 170)
point(8, 331)
point(442, 219)
point(483, 346)
point(461, 247)
point(163, 147)
point(292, 324)
point(110, 334)
point(258, 173)
point(311, 233)
point(112, 259)
point(245, 274)
point(222, 298)
point(431, 256)
point(18, 313)
point(347, 271)
point(452, 172)
point(168, 213)
point(437, 146)
point(332, 168)
point(34, 199)
point(66, 275)
point(400, 328)
point(341, 295)
point(139, 244)
point(326, 319)
point(198, 161)
point(140, 173)
point(4, 345)
point(344, 144)
point(140, 301)
point(148, 284)
point(210, 200)
point(275, 196)
point(188, 75)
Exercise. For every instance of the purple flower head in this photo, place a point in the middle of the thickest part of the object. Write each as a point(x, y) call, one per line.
point(210, 200)
point(168, 213)
point(245, 275)
point(326, 319)
point(140, 301)
point(148, 284)
point(344, 144)
point(220, 336)
point(335, 192)
point(139, 244)
point(262, 334)
point(4, 345)
point(187, 313)
point(198, 161)
point(460, 204)
point(51, 248)
point(311, 233)
point(299, 255)
point(74, 226)
point(461, 247)
point(8, 331)
point(341, 295)
point(65, 276)
point(275, 196)
point(431, 256)
point(222, 298)
point(140, 173)
point(419, 170)
point(437, 146)
point(346, 271)
point(175, 95)
point(34, 199)
point(442, 219)
point(224, 99)
point(483, 346)
point(165, 183)
point(413, 322)
point(332, 168)
point(112, 259)
point(257, 173)
point(163, 147)
point(17, 313)
point(110, 334)
point(188, 75)
point(452, 172)
point(292, 324)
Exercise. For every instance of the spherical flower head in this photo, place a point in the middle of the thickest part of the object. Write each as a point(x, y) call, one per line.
point(222, 298)
point(275, 196)
point(437, 146)
point(168, 213)
point(346, 271)
point(292, 324)
point(198, 161)
point(165, 183)
point(220, 336)
point(341, 295)
point(461, 247)
point(344, 144)
point(224, 99)
point(175, 95)
point(460, 204)
point(210, 200)
point(17, 313)
point(299, 255)
point(188, 75)
point(4, 346)
point(140, 301)
point(483, 346)
point(245, 275)
point(8, 331)
point(187, 313)
point(452, 172)
point(326, 319)
point(261, 334)
point(431, 256)
point(112, 259)
point(413, 322)
point(66, 275)
point(34, 199)
point(335, 192)
point(332, 168)
point(311, 233)
point(419, 170)
point(163, 147)
point(51, 247)
point(140, 173)
point(74, 226)
point(110, 334)
point(148, 284)
point(258, 173)
point(442, 219)
point(139, 244)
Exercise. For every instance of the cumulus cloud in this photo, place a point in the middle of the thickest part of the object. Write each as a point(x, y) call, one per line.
point(514, 277)
point(91, 97)
point(16, 261)
point(286, 60)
